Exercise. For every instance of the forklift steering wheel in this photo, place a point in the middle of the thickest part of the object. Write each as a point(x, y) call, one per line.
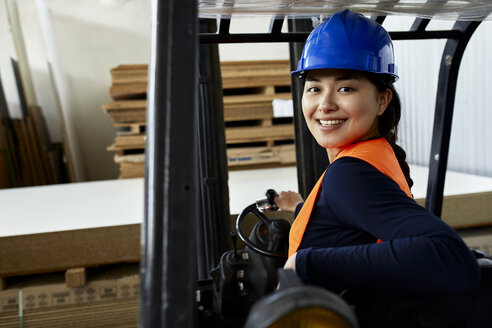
point(273, 226)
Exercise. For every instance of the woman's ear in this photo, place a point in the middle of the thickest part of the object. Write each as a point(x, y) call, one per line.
point(384, 100)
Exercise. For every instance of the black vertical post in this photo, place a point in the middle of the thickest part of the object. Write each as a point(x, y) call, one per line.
point(214, 218)
point(312, 159)
point(168, 261)
point(443, 117)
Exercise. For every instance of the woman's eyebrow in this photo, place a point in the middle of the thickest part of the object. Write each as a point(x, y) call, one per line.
point(312, 79)
point(347, 77)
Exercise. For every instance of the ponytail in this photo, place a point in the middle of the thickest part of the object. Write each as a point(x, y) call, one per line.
point(388, 121)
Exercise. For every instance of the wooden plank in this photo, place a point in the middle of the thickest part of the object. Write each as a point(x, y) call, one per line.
point(250, 107)
point(131, 170)
point(33, 145)
point(129, 67)
point(129, 74)
point(241, 157)
point(243, 74)
point(4, 170)
point(254, 98)
point(76, 277)
point(248, 68)
point(250, 113)
point(128, 91)
point(70, 150)
point(13, 156)
point(252, 82)
point(259, 133)
point(129, 116)
point(133, 158)
point(46, 148)
point(6, 174)
point(58, 251)
point(130, 140)
point(23, 154)
point(122, 79)
point(119, 148)
point(125, 105)
point(8, 143)
point(236, 74)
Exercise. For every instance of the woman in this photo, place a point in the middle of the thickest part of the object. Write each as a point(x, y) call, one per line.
point(360, 227)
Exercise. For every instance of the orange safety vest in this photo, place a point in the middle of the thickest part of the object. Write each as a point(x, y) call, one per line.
point(378, 153)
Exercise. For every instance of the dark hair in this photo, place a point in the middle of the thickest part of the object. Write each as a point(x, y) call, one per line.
point(388, 121)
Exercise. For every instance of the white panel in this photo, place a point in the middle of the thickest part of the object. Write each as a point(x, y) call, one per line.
point(418, 63)
point(471, 137)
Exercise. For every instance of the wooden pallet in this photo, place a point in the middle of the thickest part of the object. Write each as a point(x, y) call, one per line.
point(235, 74)
point(131, 170)
point(128, 91)
point(251, 129)
point(251, 134)
point(127, 111)
point(250, 107)
point(254, 157)
point(129, 74)
point(250, 74)
point(128, 82)
point(130, 127)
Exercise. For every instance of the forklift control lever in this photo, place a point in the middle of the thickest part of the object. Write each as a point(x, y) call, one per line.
point(268, 204)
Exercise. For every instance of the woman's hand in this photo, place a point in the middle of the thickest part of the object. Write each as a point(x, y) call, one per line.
point(288, 200)
point(291, 263)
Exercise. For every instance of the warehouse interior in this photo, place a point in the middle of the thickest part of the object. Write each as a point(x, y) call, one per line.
point(81, 62)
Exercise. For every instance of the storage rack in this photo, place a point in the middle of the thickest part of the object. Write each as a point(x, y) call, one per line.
point(169, 232)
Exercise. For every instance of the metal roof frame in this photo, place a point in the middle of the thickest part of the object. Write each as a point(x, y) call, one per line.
point(169, 231)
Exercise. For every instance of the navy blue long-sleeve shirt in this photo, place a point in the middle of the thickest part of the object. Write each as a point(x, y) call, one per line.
point(357, 204)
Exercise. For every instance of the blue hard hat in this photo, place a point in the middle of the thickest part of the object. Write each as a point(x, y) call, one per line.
point(348, 40)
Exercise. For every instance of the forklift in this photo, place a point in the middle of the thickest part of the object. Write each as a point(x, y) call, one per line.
point(192, 274)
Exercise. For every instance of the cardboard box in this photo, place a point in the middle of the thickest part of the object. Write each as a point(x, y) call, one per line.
point(109, 299)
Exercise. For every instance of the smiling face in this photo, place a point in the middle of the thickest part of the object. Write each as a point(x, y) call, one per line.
point(341, 108)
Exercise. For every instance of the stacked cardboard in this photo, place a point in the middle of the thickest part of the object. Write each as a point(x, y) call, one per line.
point(254, 136)
point(109, 299)
point(128, 112)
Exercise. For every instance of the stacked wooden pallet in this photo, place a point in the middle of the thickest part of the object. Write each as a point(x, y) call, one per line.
point(255, 137)
point(128, 112)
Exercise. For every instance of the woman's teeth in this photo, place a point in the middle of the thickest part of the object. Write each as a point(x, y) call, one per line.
point(331, 122)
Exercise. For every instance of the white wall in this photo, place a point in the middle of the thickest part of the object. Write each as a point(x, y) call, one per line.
point(91, 37)
point(419, 63)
